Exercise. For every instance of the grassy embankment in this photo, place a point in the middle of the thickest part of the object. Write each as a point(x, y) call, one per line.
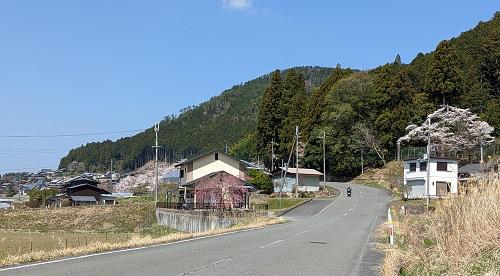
point(28, 235)
point(459, 236)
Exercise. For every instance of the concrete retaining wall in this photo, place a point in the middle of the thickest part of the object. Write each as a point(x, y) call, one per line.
point(197, 220)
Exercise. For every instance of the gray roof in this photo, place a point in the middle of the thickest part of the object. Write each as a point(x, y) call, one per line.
point(302, 171)
point(83, 198)
point(473, 168)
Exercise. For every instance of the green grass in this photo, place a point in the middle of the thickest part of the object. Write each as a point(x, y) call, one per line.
point(274, 203)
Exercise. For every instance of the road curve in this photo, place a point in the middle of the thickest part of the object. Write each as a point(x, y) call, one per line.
point(325, 237)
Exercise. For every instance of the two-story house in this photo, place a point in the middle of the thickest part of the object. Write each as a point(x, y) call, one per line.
point(195, 171)
point(214, 161)
point(443, 177)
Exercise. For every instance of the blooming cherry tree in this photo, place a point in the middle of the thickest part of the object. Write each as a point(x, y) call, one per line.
point(221, 190)
point(452, 128)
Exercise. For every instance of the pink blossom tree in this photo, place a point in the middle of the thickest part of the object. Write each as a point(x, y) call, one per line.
point(221, 190)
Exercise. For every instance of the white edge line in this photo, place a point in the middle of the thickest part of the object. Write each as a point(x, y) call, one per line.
point(132, 249)
point(328, 204)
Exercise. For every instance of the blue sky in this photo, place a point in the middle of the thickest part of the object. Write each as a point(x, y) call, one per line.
point(69, 67)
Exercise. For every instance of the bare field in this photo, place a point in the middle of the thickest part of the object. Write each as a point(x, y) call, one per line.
point(103, 218)
point(28, 235)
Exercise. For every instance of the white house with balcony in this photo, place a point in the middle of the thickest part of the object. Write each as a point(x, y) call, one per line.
point(443, 177)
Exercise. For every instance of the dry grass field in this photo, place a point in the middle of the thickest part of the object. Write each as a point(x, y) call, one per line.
point(42, 234)
point(103, 218)
point(460, 237)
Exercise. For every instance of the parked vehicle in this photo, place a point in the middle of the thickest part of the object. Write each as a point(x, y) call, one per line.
point(349, 191)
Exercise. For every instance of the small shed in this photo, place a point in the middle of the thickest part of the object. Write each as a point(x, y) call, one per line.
point(309, 180)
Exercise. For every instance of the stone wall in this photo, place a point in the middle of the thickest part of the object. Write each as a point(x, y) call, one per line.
point(197, 220)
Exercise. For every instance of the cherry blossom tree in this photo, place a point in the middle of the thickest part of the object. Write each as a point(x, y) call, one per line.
point(221, 190)
point(451, 128)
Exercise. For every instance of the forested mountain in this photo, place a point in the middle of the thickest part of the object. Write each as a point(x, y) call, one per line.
point(222, 119)
point(362, 113)
point(365, 112)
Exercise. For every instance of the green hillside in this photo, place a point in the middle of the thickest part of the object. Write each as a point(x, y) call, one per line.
point(222, 119)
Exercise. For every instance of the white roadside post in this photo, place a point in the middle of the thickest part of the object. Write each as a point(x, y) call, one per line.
point(391, 227)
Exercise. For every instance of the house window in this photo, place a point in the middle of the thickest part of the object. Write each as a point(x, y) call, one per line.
point(423, 166)
point(442, 166)
point(182, 173)
point(216, 156)
point(413, 167)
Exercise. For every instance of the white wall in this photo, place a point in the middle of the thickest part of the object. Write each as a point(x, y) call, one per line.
point(207, 164)
point(450, 176)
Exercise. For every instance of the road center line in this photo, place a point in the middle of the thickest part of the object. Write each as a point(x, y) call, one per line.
point(269, 244)
point(205, 266)
point(303, 232)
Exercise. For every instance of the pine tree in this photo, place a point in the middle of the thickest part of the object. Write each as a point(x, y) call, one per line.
point(397, 60)
point(443, 80)
point(269, 117)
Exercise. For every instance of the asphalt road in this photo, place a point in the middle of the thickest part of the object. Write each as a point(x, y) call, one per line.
point(325, 237)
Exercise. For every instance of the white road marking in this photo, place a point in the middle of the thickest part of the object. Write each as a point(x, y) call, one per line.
point(269, 244)
point(345, 214)
point(131, 249)
point(205, 266)
point(350, 210)
point(329, 204)
point(303, 232)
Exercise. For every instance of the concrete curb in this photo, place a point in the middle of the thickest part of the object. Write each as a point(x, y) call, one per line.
point(282, 212)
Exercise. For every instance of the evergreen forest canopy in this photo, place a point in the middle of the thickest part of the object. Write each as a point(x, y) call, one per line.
point(361, 112)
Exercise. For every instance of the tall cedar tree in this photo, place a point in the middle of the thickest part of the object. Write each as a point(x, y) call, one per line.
point(316, 104)
point(270, 117)
point(443, 80)
point(403, 105)
point(294, 99)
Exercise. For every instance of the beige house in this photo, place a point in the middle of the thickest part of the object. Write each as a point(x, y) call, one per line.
point(203, 168)
point(211, 162)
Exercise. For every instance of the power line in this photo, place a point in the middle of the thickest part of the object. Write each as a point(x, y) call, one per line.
point(24, 169)
point(70, 135)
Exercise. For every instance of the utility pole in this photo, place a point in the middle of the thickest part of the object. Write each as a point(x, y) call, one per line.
point(398, 157)
point(297, 161)
point(111, 172)
point(324, 160)
point(272, 154)
point(362, 162)
point(157, 129)
point(428, 165)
